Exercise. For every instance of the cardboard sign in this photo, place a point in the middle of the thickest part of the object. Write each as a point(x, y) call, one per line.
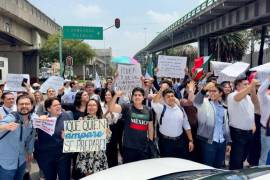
point(85, 135)
point(217, 67)
point(47, 126)
point(129, 77)
point(171, 66)
point(14, 82)
point(54, 82)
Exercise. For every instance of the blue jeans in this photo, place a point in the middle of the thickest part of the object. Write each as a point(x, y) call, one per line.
point(241, 141)
point(213, 154)
point(265, 141)
point(15, 174)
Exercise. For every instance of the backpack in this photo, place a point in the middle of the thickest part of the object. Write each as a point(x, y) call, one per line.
point(164, 110)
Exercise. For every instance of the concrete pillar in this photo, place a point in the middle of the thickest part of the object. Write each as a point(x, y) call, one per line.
point(203, 48)
point(31, 64)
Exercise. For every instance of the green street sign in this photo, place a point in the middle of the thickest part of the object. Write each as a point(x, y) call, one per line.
point(83, 32)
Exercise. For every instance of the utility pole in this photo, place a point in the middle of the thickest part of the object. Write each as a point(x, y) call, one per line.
point(60, 53)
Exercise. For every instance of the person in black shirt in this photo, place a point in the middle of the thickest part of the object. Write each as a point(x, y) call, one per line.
point(138, 127)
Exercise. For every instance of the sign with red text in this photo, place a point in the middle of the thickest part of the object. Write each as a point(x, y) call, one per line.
point(48, 125)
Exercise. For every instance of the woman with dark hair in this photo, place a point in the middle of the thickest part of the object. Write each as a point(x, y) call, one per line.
point(92, 162)
point(227, 89)
point(49, 149)
point(112, 117)
point(79, 106)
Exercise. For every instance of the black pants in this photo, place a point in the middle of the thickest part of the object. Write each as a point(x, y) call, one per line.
point(112, 150)
point(255, 147)
point(172, 148)
point(54, 165)
point(241, 141)
point(132, 155)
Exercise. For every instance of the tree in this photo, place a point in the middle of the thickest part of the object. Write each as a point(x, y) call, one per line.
point(80, 51)
point(229, 47)
point(189, 51)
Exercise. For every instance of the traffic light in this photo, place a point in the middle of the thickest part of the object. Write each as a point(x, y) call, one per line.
point(117, 23)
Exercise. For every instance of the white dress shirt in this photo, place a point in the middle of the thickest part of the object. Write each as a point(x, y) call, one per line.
point(173, 121)
point(264, 99)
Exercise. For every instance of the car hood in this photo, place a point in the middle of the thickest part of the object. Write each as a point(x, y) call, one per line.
point(147, 169)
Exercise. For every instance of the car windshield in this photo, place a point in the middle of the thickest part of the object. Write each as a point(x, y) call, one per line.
point(190, 175)
point(217, 174)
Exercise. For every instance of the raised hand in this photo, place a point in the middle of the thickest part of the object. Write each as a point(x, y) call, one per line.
point(209, 86)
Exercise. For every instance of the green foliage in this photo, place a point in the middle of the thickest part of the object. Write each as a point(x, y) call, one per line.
point(188, 51)
point(80, 51)
point(229, 47)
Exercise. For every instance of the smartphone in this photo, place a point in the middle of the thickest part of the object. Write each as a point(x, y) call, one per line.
point(24, 81)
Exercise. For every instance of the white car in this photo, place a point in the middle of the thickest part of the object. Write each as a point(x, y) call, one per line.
point(174, 168)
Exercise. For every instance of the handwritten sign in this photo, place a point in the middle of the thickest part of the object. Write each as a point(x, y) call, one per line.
point(85, 135)
point(14, 82)
point(217, 67)
point(47, 126)
point(128, 78)
point(54, 82)
point(171, 66)
point(236, 70)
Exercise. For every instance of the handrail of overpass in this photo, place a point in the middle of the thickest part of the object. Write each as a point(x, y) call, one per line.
point(190, 15)
point(204, 5)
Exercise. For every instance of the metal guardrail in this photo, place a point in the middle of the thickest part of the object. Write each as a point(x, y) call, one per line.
point(190, 15)
point(199, 9)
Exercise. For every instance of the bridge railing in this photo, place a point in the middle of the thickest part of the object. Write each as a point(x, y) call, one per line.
point(190, 15)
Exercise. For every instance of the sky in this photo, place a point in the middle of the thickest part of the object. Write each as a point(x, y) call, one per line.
point(141, 20)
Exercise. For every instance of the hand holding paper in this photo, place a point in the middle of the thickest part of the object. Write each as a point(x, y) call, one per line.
point(45, 124)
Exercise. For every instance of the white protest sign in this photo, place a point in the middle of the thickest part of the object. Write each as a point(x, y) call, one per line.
point(264, 67)
point(47, 125)
point(263, 71)
point(230, 73)
point(129, 77)
point(55, 82)
point(14, 82)
point(171, 66)
point(217, 67)
point(85, 135)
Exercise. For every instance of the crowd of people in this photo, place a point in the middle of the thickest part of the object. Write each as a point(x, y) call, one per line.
point(198, 120)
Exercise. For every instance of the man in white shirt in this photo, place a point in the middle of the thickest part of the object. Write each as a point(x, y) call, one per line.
point(241, 115)
point(9, 104)
point(171, 138)
point(264, 99)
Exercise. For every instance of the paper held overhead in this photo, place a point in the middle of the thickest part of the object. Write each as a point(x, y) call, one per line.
point(236, 69)
point(262, 68)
